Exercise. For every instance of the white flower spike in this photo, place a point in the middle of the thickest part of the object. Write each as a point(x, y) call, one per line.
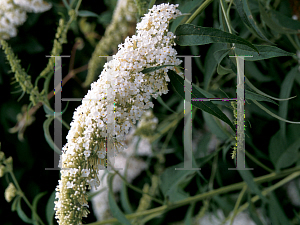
point(115, 102)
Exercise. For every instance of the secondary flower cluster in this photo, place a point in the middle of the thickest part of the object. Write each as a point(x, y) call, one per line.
point(13, 13)
point(119, 27)
point(115, 102)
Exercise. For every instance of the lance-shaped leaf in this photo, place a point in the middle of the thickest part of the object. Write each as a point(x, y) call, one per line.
point(271, 19)
point(265, 52)
point(207, 106)
point(46, 127)
point(189, 35)
point(247, 17)
point(114, 208)
point(253, 96)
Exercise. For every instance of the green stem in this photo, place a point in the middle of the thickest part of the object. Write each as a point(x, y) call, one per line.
point(78, 5)
point(137, 189)
point(21, 193)
point(222, 190)
point(237, 204)
point(258, 162)
point(199, 10)
point(228, 9)
point(293, 42)
point(266, 191)
point(226, 18)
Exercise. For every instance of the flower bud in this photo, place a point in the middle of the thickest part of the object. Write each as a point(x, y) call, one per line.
point(2, 170)
point(10, 192)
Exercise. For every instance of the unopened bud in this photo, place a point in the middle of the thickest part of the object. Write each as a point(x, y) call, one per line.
point(10, 192)
point(2, 170)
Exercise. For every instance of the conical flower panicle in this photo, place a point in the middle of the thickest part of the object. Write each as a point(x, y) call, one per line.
point(114, 102)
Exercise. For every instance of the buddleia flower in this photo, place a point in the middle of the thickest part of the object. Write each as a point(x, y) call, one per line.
point(113, 104)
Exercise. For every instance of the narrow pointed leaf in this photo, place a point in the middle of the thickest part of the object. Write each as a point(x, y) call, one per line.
point(265, 52)
point(34, 205)
point(46, 127)
point(172, 181)
point(285, 92)
point(211, 63)
point(15, 203)
point(50, 209)
point(188, 35)
point(253, 96)
point(21, 213)
point(207, 106)
point(247, 17)
point(85, 13)
point(285, 21)
point(273, 23)
point(248, 178)
point(272, 114)
point(161, 101)
point(264, 94)
point(115, 210)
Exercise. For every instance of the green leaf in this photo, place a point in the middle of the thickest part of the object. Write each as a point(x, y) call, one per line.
point(125, 200)
point(283, 153)
point(161, 101)
point(285, 21)
point(221, 54)
point(65, 109)
point(66, 4)
point(252, 71)
point(21, 213)
point(273, 22)
point(173, 182)
point(277, 211)
point(196, 52)
point(223, 70)
point(247, 17)
point(188, 220)
point(248, 178)
point(115, 210)
point(46, 127)
point(285, 92)
point(272, 114)
point(93, 194)
point(253, 213)
point(15, 202)
point(85, 13)
point(289, 156)
point(188, 34)
point(265, 52)
point(209, 95)
point(207, 106)
point(262, 93)
point(253, 96)
point(124, 194)
point(34, 206)
point(214, 127)
point(50, 209)
point(48, 110)
point(184, 8)
point(210, 63)
point(152, 69)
